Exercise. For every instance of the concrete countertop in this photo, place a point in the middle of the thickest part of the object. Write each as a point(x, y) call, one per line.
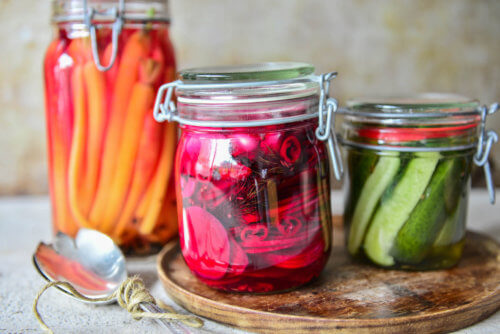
point(24, 221)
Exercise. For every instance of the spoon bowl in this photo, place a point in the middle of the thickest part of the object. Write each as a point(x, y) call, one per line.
point(91, 262)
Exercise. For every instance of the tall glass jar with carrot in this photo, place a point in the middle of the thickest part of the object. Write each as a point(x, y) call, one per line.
point(110, 163)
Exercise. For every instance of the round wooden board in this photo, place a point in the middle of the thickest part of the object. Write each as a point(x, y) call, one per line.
point(353, 297)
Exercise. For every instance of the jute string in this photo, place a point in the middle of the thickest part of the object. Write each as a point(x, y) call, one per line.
point(131, 293)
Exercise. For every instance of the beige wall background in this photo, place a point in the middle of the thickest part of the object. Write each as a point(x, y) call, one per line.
point(378, 47)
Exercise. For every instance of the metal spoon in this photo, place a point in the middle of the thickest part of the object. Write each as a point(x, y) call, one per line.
point(94, 265)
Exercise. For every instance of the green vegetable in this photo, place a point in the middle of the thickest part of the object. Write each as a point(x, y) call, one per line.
point(384, 172)
point(455, 197)
point(361, 166)
point(454, 227)
point(415, 239)
point(395, 210)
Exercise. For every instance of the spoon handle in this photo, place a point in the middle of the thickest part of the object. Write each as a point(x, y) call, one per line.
point(173, 327)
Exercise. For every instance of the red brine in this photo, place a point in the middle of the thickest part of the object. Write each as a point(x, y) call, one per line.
point(255, 210)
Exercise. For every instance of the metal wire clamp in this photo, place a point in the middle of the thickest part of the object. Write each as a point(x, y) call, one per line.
point(166, 110)
point(484, 144)
point(117, 14)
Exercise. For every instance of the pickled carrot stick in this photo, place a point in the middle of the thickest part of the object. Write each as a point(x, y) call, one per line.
point(110, 78)
point(141, 101)
point(58, 190)
point(50, 107)
point(95, 87)
point(129, 232)
point(136, 48)
point(147, 158)
point(146, 201)
point(61, 119)
point(112, 73)
point(80, 50)
point(160, 180)
point(77, 154)
point(167, 226)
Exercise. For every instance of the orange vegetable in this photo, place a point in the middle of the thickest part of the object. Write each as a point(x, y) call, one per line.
point(136, 48)
point(166, 226)
point(95, 87)
point(147, 158)
point(143, 205)
point(50, 110)
point(80, 51)
point(160, 181)
point(59, 191)
point(60, 141)
point(142, 98)
point(110, 77)
point(76, 160)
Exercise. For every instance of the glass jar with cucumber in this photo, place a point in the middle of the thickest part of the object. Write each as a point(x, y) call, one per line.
point(409, 164)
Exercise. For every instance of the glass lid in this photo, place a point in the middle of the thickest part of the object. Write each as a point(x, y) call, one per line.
point(271, 71)
point(419, 103)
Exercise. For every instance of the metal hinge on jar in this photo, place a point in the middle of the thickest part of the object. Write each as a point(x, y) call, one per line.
point(484, 144)
point(118, 20)
point(328, 106)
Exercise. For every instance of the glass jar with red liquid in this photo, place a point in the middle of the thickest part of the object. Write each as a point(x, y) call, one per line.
point(252, 173)
point(110, 162)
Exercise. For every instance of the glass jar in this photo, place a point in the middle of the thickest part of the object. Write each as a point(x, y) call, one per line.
point(409, 163)
point(110, 163)
point(252, 176)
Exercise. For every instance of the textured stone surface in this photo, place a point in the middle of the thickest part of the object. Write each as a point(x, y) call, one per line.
point(378, 47)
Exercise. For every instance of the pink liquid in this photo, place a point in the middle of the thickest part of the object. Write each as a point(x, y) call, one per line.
point(255, 209)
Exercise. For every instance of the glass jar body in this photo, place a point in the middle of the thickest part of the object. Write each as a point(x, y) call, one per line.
point(254, 205)
point(407, 209)
point(109, 161)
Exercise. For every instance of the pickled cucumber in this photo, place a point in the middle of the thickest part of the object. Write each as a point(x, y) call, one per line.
point(454, 227)
point(362, 166)
point(455, 198)
point(395, 210)
point(416, 237)
point(384, 172)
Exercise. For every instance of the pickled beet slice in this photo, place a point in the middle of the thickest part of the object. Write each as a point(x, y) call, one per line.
point(290, 149)
point(234, 171)
point(210, 194)
point(289, 226)
point(239, 259)
point(209, 240)
point(254, 232)
point(188, 186)
point(300, 260)
point(271, 142)
point(192, 147)
point(276, 243)
point(244, 144)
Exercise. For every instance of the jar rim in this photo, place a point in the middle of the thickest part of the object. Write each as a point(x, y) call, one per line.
point(427, 108)
point(413, 104)
point(257, 72)
point(134, 10)
point(244, 84)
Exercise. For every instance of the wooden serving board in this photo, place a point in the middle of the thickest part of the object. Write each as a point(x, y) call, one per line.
point(353, 297)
